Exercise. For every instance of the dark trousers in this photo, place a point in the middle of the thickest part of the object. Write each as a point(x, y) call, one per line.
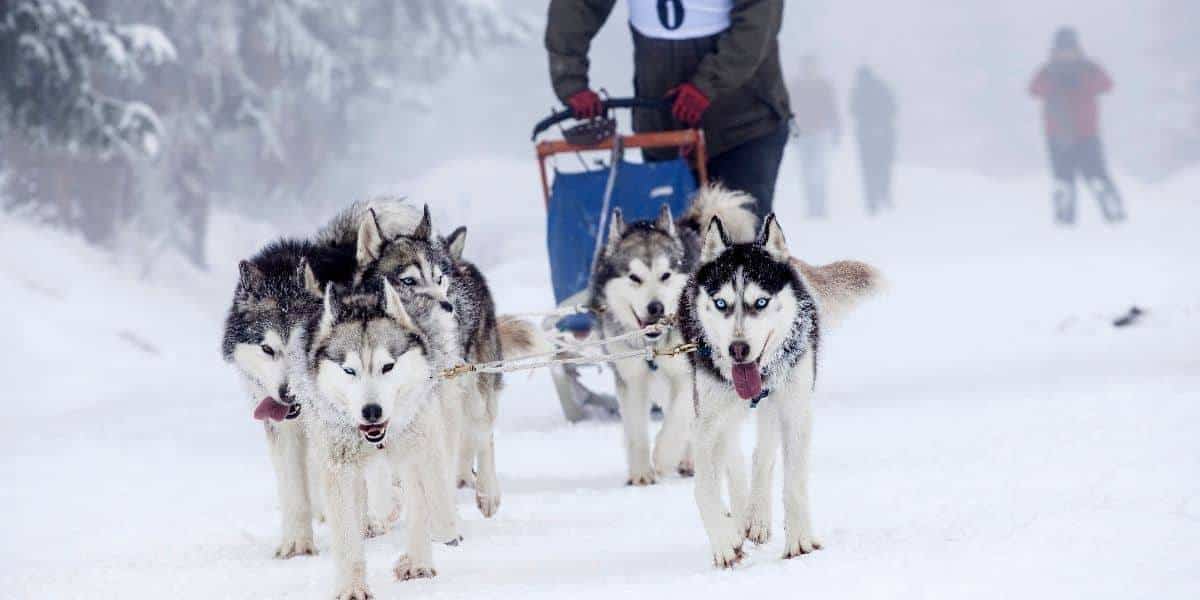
point(1083, 158)
point(752, 168)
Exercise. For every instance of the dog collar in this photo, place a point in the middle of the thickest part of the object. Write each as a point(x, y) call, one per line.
point(759, 398)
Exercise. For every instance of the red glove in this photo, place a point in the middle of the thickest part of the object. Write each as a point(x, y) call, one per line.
point(585, 104)
point(690, 104)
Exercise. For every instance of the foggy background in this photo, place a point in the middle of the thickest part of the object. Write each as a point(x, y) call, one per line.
point(263, 106)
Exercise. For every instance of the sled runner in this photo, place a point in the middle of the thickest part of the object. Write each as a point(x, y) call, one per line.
point(579, 204)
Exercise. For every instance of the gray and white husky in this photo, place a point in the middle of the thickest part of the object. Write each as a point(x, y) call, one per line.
point(637, 281)
point(758, 315)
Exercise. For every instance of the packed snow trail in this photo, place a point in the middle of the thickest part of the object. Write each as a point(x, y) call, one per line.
point(982, 430)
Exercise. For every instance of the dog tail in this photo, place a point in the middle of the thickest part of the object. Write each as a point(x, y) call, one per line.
point(519, 338)
point(732, 206)
point(396, 216)
point(840, 286)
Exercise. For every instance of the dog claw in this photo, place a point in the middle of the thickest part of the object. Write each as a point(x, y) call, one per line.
point(801, 547)
point(405, 570)
point(729, 559)
point(376, 528)
point(295, 548)
point(641, 480)
point(356, 591)
point(488, 505)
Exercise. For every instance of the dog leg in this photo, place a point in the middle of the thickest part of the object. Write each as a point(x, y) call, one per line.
point(796, 417)
point(316, 485)
point(635, 417)
point(735, 473)
point(289, 449)
point(380, 500)
point(723, 532)
point(672, 441)
point(342, 508)
point(758, 511)
point(487, 491)
point(436, 482)
point(417, 561)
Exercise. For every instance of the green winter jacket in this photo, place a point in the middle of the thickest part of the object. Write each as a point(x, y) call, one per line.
point(738, 69)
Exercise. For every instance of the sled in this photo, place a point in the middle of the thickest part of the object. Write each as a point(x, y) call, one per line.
point(578, 207)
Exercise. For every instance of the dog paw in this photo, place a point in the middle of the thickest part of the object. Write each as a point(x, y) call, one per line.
point(804, 544)
point(405, 569)
point(686, 468)
point(376, 527)
point(727, 557)
point(727, 546)
point(354, 591)
point(640, 479)
point(488, 505)
point(757, 525)
point(297, 547)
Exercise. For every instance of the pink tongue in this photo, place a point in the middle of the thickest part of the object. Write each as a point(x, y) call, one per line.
point(747, 380)
point(270, 409)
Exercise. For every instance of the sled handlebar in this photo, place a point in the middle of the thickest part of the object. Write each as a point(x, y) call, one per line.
point(606, 105)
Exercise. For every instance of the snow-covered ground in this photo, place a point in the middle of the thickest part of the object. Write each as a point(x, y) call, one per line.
point(982, 430)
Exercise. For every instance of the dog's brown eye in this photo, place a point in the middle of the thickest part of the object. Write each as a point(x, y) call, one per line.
point(269, 351)
point(388, 367)
point(665, 276)
point(635, 279)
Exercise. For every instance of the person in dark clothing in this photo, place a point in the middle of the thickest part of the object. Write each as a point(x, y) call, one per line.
point(816, 130)
point(874, 111)
point(1068, 85)
point(718, 62)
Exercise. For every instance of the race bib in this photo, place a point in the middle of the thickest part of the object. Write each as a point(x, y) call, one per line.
point(679, 19)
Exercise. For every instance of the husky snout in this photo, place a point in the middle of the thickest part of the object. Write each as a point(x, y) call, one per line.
point(372, 413)
point(654, 310)
point(739, 351)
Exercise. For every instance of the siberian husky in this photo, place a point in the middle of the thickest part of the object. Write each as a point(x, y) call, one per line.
point(637, 281)
point(757, 315)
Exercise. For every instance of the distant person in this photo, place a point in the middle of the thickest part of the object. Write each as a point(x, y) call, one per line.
point(716, 60)
point(874, 110)
point(1068, 85)
point(816, 130)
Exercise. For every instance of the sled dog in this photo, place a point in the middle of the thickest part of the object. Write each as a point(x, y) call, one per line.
point(637, 281)
point(757, 315)
point(454, 304)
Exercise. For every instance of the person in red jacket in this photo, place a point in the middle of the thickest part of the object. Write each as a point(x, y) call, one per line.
point(1068, 85)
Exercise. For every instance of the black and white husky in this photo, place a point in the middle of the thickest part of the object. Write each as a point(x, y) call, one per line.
point(758, 316)
point(637, 281)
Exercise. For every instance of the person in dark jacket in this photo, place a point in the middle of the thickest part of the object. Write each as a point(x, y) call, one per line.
point(874, 109)
point(716, 60)
point(1068, 85)
point(816, 130)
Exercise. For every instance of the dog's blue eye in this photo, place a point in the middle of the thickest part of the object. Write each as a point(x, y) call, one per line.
point(665, 276)
point(720, 304)
point(408, 281)
point(761, 303)
point(269, 351)
point(388, 367)
point(349, 371)
point(635, 279)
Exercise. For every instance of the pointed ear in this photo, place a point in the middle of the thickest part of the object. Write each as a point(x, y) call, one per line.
point(309, 279)
point(772, 240)
point(370, 239)
point(715, 241)
point(665, 222)
point(328, 312)
point(249, 276)
point(455, 243)
point(394, 306)
point(616, 228)
point(424, 230)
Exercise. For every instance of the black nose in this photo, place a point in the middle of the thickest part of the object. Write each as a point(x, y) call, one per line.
point(655, 309)
point(372, 413)
point(740, 351)
point(446, 306)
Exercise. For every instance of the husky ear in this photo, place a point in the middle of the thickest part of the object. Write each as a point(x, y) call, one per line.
point(250, 277)
point(665, 222)
point(455, 243)
point(328, 311)
point(370, 239)
point(715, 241)
point(424, 230)
point(308, 279)
point(772, 240)
point(394, 306)
point(616, 228)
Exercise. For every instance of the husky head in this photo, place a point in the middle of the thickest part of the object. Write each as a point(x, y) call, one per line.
point(368, 358)
point(640, 275)
point(416, 263)
point(276, 292)
point(749, 308)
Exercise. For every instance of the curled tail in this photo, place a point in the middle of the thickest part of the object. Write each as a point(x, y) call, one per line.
point(840, 286)
point(519, 338)
point(734, 208)
point(396, 216)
